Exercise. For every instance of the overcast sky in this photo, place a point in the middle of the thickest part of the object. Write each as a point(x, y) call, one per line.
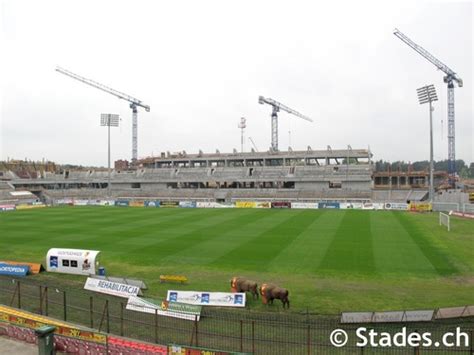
point(201, 65)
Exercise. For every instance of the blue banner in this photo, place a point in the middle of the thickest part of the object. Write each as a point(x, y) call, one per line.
point(14, 270)
point(187, 204)
point(328, 205)
point(122, 203)
point(152, 203)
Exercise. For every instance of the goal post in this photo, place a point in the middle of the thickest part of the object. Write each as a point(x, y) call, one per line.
point(444, 219)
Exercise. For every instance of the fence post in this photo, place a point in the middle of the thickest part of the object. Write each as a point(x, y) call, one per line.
point(108, 318)
point(19, 295)
point(309, 339)
point(64, 306)
point(46, 303)
point(91, 310)
point(196, 323)
point(41, 299)
point(121, 319)
point(253, 337)
point(241, 336)
point(156, 325)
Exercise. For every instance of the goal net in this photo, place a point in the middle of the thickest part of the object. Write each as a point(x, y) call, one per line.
point(444, 220)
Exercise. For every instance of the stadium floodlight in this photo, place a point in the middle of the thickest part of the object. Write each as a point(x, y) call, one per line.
point(427, 94)
point(109, 120)
point(242, 126)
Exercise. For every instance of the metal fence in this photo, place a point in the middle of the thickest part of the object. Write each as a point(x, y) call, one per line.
point(228, 330)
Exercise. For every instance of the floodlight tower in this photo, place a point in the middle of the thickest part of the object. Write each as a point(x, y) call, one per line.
point(109, 120)
point(242, 126)
point(450, 78)
point(134, 104)
point(276, 107)
point(427, 94)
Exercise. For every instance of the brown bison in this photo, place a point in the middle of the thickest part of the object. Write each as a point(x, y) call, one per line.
point(269, 292)
point(239, 284)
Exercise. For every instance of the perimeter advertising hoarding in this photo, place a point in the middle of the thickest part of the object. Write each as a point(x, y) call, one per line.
point(328, 205)
point(5, 208)
point(221, 299)
point(164, 308)
point(14, 270)
point(111, 288)
point(122, 203)
point(281, 204)
point(152, 203)
point(396, 206)
point(245, 204)
point(169, 204)
point(187, 204)
point(304, 205)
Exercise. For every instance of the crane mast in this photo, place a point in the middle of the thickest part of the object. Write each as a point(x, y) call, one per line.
point(276, 107)
point(450, 78)
point(134, 104)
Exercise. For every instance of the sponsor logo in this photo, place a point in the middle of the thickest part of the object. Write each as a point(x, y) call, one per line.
point(53, 261)
point(173, 296)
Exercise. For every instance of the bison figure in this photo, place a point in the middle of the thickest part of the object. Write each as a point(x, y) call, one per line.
point(270, 292)
point(239, 284)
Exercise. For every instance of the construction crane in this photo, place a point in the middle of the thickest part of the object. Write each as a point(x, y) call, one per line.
point(450, 78)
point(276, 107)
point(134, 104)
point(253, 143)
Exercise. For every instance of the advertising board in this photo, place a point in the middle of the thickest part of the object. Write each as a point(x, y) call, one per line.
point(304, 205)
point(281, 204)
point(396, 206)
point(152, 203)
point(221, 299)
point(328, 205)
point(6, 208)
point(245, 204)
point(187, 204)
point(111, 288)
point(72, 261)
point(169, 204)
point(14, 270)
point(164, 308)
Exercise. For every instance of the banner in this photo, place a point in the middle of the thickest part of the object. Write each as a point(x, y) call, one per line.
point(111, 288)
point(164, 308)
point(281, 204)
point(152, 203)
point(461, 214)
point(387, 317)
point(34, 267)
point(5, 208)
point(396, 206)
point(14, 270)
point(304, 205)
point(65, 201)
point(420, 207)
point(187, 204)
point(263, 205)
point(136, 204)
point(221, 299)
point(174, 349)
point(245, 204)
point(169, 204)
point(27, 207)
point(81, 202)
point(328, 205)
point(107, 202)
point(21, 319)
point(122, 203)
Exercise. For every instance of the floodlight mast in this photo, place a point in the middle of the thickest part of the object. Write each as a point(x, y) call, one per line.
point(276, 107)
point(134, 104)
point(450, 78)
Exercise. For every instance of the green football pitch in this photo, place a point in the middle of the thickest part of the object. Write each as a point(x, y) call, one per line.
point(330, 260)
